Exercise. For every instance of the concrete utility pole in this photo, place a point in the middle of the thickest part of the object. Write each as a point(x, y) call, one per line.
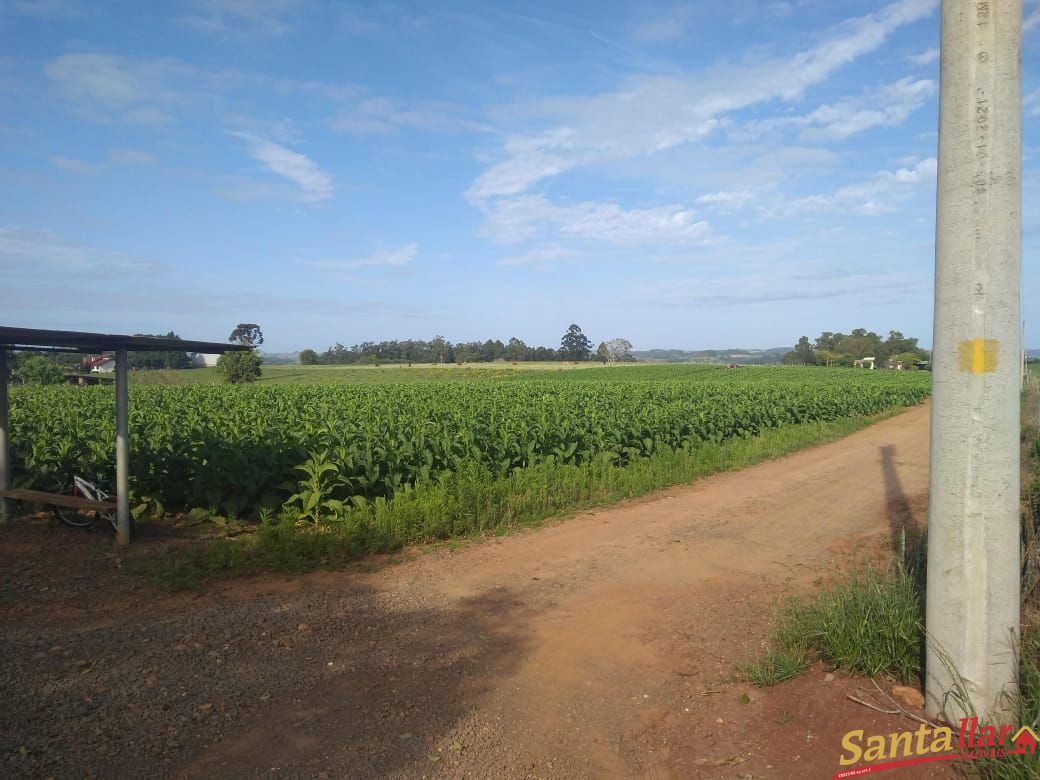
point(122, 451)
point(973, 516)
point(5, 474)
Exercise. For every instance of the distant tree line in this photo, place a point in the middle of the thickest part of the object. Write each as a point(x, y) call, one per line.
point(735, 356)
point(574, 346)
point(29, 368)
point(840, 349)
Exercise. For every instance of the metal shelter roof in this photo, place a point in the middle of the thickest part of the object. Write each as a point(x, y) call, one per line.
point(78, 341)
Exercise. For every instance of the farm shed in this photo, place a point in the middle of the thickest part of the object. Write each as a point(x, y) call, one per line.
point(32, 339)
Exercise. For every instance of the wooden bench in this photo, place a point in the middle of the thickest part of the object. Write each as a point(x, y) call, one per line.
point(57, 499)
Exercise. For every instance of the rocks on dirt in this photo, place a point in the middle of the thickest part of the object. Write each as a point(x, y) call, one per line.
point(908, 697)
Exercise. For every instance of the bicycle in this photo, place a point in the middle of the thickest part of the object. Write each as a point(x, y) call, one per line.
point(85, 518)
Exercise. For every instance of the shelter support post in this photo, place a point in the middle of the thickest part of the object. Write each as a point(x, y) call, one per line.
point(972, 613)
point(5, 463)
point(122, 452)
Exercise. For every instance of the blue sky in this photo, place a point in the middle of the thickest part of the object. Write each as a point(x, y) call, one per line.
point(684, 175)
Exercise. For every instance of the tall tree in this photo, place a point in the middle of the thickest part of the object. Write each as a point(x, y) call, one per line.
point(38, 370)
point(862, 343)
point(248, 333)
point(618, 349)
point(828, 357)
point(241, 367)
point(802, 355)
point(829, 341)
point(575, 345)
point(516, 350)
point(898, 344)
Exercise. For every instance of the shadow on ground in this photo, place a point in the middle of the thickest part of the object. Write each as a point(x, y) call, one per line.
point(903, 527)
point(335, 681)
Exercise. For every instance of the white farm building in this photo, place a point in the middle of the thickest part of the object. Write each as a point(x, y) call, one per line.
point(198, 360)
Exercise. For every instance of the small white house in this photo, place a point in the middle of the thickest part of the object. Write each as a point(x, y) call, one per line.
point(867, 362)
point(101, 364)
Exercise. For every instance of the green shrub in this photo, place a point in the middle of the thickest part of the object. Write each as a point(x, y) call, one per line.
point(869, 622)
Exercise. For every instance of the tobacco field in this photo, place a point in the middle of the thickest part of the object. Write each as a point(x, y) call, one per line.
point(237, 449)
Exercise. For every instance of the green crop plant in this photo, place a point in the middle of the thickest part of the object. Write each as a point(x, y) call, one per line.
point(314, 499)
point(234, 449)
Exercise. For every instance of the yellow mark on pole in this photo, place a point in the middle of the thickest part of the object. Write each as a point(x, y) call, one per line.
point(978, 356)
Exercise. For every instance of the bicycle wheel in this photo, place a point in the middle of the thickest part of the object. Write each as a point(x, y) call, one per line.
point(74, 518)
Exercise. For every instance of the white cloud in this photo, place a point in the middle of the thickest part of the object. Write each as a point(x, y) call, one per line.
point(370, 19)
point(264, 17)
point(540, 256)
point(104, 86)
point(529, 161)
point(382, 115)
point(1031, 22)
point(611, 223)
point(357, 21)
point(878, 195)
point(27, 252)
point(654, 113)
point(61, 10)
point(728, 200)
point(1031, 103)
point(927, 57)
point(887, 106)
point(668, 27)
point(334, 92)
point(131, 157)
point(314, 184)
point(510, 220)
point(73, 165)
point(784, 285)
point(383, 256)
point(117, 157)
point(239, 190)
point(881, 193)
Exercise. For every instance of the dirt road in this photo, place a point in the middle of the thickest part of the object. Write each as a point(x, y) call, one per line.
point(602, 646)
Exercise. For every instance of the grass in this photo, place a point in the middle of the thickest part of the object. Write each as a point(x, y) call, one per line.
point(868, 622)
point(471, 504)
point(779, 663)
point(276, 546)
point(1027, 704)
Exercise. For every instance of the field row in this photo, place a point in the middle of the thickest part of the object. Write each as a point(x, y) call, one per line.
point(236, 449)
